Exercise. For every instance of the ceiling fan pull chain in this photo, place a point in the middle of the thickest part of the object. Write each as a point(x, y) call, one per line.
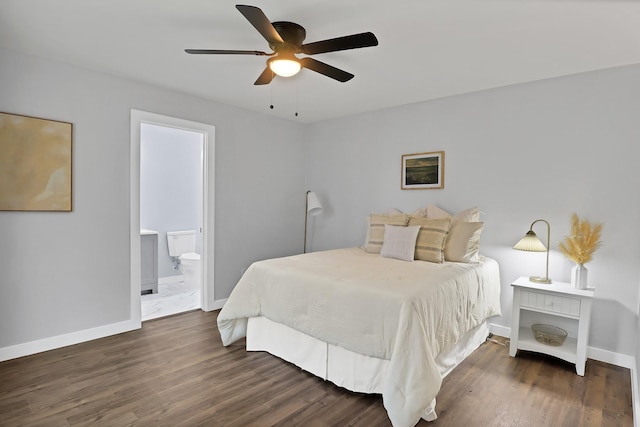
point(271, 90)
point(297, 85)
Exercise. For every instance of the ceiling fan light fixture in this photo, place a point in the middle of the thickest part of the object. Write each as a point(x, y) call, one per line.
point(285, 40)
point(286, 66)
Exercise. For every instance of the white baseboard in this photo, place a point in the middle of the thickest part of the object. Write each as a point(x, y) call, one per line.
point(635, 397)
point(499, 330)
point(52, 343)
point(606, 356)
point(217, 304)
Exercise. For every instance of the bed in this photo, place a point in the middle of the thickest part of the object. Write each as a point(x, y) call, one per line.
point(369, 318)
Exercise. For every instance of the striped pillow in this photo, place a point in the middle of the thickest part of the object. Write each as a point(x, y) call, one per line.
point(431, 238)
point(376, 229)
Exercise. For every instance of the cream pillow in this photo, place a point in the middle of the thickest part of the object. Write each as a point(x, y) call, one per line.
point(463, 242)
point(432, 212)
point(431, 238)
point(376, 229)
point(390, 211)
point(467, 215)
point(399, 242)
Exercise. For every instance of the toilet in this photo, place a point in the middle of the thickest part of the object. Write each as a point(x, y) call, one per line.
point(182, 245)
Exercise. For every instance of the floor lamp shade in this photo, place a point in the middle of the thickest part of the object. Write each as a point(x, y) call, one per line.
point(313, 207)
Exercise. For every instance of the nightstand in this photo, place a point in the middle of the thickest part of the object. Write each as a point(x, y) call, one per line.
point(558, 304)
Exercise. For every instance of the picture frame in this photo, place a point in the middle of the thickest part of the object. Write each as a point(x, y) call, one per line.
point(423, 171)
point(36, 164)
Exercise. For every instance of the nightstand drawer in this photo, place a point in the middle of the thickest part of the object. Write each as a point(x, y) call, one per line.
point(552, 303)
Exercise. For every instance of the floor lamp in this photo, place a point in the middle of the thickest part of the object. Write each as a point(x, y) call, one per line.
point(313, 207)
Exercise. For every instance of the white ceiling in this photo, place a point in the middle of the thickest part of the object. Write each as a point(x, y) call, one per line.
point(428, 48)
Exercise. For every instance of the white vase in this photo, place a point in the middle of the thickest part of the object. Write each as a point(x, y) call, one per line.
point(579, 276)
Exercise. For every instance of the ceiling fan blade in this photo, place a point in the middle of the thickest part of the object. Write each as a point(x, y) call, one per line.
point(353, 41)
point(326, 69)
point(227, 52)
point(266, 77)
point(259, 20)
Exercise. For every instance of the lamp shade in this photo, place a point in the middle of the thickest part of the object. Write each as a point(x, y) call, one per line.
point(285, 65)
point(314, 207)
point(530, 243)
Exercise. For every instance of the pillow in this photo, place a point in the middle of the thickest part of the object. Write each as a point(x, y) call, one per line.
point(390, 211)
point(467, 215)
point(393, 211)
point(434, 212)
point(431, 211)
point(463, 242)
point(399, 242)
point(376, 229)
point(431, 238)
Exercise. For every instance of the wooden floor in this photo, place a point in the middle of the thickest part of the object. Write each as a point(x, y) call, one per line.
point(174, 371)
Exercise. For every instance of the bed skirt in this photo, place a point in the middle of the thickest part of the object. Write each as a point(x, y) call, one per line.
point(344, 368)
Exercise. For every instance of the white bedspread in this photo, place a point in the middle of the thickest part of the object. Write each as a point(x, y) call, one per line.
point(405, 312)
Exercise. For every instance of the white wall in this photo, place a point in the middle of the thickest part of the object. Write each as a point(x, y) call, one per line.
point(69, 272)
point(538, 150)
point(170, 186)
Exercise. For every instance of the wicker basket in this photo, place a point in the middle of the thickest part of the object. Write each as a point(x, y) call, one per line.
point(549, 334)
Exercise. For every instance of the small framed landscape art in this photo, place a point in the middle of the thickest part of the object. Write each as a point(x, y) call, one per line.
point(423, 171)
point(35, 164)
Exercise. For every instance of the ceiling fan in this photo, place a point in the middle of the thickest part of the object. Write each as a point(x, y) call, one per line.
point(285, 39)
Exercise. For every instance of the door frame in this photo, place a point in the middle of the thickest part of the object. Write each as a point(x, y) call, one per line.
point(139, 117)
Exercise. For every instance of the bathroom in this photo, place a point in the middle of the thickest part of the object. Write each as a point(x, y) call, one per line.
point(171, 213)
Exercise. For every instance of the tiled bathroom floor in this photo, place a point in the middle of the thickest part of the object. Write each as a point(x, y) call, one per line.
point(172, 298)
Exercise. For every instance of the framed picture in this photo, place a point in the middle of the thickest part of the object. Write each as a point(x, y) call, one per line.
point(423, 171)
point(35, 164)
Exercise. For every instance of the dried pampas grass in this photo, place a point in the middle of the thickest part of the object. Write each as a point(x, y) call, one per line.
point(583, 241)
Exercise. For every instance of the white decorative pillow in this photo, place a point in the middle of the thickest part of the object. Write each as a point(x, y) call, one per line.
point(376, 229)
point(463, 242)
point(431, 238)
point(399, 242)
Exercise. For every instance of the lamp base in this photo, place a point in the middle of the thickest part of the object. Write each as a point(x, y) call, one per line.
point(536, 279)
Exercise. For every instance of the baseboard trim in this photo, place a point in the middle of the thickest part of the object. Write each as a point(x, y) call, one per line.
point(635, 397)
point(59, 341)
point(606, 356)
point(499, 330)
point(217, 304)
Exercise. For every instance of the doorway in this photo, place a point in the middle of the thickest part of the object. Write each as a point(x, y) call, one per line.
point(190, 201)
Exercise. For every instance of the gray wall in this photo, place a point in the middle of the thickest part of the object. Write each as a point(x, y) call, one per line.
point(68, 272)
point(170, 186)
point(538, 150)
